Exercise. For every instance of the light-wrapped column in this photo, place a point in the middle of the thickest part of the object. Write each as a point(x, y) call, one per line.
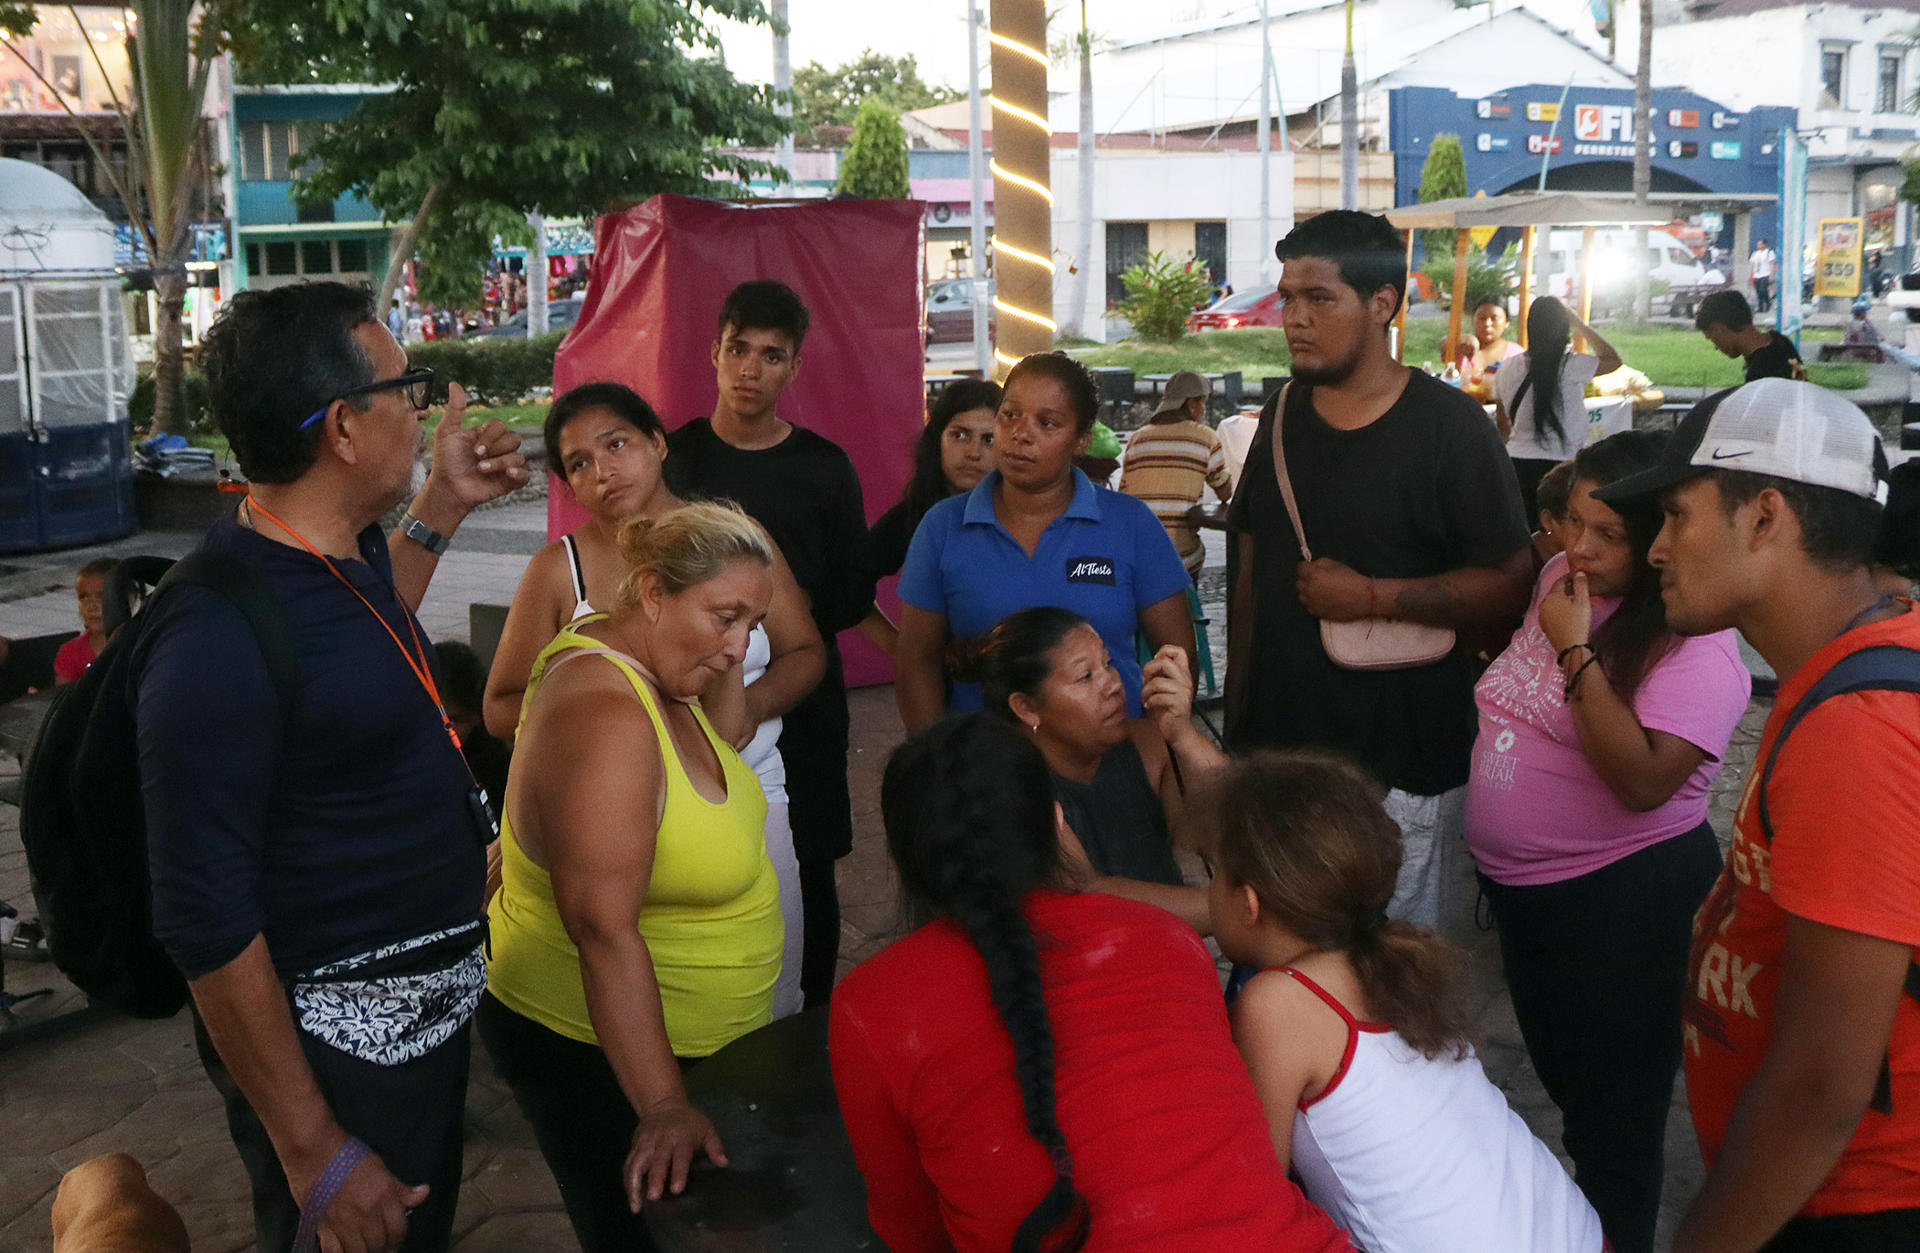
point(1022, 190)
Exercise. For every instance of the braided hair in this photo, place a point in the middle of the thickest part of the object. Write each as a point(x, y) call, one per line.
point(968, 808)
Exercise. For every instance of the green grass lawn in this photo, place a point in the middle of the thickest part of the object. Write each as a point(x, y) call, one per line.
point(1671, 356)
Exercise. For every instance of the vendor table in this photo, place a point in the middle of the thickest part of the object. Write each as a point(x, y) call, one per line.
point(792, 1183)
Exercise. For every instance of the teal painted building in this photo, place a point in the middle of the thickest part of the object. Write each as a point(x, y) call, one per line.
point(279, 241)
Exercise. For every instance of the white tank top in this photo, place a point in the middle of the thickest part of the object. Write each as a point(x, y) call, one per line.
point(762, 753)
point(1422, 1155)
point(581, 608)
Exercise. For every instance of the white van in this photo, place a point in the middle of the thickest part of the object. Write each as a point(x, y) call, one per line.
point(1668, 260)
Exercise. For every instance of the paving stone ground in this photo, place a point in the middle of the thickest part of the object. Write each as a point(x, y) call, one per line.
point(117, 1084)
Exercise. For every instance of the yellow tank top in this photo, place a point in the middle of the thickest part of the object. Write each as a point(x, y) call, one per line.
point(711, 917)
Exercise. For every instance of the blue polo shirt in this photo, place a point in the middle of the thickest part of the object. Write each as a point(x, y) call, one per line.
point(1106, 558)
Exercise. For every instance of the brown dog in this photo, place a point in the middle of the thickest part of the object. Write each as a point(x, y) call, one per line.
point(105, 1206)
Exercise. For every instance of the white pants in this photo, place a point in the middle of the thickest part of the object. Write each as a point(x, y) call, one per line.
point(1433, 837)
point(786, 869)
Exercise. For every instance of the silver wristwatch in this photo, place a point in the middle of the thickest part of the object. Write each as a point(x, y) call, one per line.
point(424, 535)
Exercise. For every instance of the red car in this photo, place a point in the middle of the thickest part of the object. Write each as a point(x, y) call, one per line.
point(1250, 308)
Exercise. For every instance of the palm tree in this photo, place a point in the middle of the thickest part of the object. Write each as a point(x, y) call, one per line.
point(1349, 123)
point(1085, 173)
point(1643, 158)
point(171, 57)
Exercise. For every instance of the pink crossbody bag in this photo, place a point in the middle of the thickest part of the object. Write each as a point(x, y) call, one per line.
point(1365, 643)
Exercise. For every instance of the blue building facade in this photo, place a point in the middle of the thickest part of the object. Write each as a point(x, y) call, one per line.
point(1699, 146)
point(279, 241)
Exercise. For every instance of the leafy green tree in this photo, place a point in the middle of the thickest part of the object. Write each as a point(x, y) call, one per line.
point(171, 60)
point(1487, 279)
point(500, 108)
point(1161, 292)
point(874, 166)
point(832, 95)
point(1443, 177)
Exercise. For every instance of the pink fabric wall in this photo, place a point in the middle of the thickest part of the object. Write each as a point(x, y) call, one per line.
point(660, 273)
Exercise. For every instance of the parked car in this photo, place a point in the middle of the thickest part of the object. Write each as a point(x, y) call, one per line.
point(1668, 260)
point(561, 314)
point(950, 310)
point(1246, 308)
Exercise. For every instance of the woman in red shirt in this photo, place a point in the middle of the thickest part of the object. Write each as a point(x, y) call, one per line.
point(1038, 1067)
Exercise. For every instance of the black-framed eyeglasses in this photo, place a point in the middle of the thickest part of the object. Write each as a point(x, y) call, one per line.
point(423, 390)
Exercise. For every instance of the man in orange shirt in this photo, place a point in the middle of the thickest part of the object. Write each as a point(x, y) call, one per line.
point(1802, 1046)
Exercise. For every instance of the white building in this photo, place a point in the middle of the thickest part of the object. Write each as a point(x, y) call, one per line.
point(1204, 205)
point(1847, 69)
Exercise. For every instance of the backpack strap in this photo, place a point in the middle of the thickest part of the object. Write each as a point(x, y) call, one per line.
point(245, 588)
point(1881, 668)
point(1526, 383)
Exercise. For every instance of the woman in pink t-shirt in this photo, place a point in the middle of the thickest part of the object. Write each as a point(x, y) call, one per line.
point(1600, 735)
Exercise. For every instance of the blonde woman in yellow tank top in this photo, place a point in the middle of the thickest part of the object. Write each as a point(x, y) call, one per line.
point(638, 923)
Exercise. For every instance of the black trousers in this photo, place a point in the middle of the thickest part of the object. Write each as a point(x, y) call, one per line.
point(1597, 968)
point(813, 746)
point(409, 1114)
point(581, 1120)
point(1530, 470)
point(1886, 1231)
point(1763, 296)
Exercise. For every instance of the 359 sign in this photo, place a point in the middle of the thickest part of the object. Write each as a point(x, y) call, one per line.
point(1836, 271)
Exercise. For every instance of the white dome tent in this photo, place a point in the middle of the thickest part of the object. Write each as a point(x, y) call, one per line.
point(66, 473)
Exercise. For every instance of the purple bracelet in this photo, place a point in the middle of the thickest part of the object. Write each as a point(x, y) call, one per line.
point(325, 1188)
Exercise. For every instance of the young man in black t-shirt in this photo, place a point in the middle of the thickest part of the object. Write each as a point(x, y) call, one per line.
point(1412, 511)
point(1726, 319)
point(801, 486)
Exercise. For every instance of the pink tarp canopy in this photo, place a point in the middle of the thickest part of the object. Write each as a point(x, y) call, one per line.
point(660, 273)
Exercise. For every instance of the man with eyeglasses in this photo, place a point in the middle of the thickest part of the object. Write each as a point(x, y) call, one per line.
point(317, 866)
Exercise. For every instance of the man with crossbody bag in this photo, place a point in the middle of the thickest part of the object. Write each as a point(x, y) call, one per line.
point(1376, 517)
point(1802, 1040)
point(316, 864)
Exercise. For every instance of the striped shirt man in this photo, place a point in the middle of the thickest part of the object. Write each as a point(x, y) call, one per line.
point(1170, 462)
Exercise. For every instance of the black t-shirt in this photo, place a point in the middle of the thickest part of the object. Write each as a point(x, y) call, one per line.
point(886, 548)
point(1775, 361)
point(1424, 489)
point(805, 492)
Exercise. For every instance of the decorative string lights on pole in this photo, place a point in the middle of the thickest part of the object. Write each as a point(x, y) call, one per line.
point(1022, 195)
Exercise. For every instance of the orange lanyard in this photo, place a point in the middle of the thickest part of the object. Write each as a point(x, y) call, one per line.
point(417, 664)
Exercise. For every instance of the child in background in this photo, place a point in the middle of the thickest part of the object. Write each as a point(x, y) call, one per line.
point(90, 589)
point(463, 683)
point(1354, 1031)
point(1553, 495)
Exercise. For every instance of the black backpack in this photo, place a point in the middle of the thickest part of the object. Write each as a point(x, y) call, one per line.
point(82, 817)
point(1879, 668)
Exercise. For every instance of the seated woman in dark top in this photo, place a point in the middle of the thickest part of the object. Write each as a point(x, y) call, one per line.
point(1120, 782)
point(954, 452)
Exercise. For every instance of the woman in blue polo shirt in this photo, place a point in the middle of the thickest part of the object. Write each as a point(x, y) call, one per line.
point(1036, 531)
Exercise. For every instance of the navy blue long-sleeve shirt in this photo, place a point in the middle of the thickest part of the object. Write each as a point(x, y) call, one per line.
point(343, 831)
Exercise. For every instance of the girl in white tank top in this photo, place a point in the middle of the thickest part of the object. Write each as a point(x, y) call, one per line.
point(1355, 1034)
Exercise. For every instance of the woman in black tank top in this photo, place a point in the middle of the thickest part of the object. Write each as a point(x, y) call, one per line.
point(1119, 782)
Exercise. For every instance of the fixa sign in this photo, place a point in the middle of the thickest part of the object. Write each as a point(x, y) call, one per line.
point(1603, 123)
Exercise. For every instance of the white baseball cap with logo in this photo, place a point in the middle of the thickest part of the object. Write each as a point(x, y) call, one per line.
point(1780, 427)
